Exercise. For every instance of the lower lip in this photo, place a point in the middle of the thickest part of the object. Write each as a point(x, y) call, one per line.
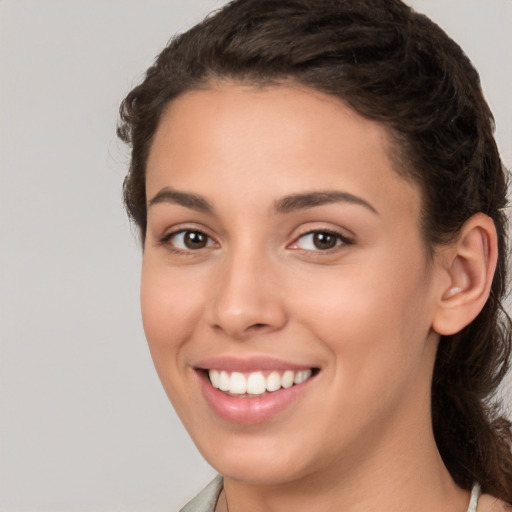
point(250, 410)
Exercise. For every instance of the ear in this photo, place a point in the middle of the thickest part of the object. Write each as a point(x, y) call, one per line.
point(468, 265)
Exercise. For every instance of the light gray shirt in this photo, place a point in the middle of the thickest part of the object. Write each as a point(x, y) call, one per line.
point(206, 500)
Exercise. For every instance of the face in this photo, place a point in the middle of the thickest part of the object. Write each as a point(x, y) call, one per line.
point(287, 295)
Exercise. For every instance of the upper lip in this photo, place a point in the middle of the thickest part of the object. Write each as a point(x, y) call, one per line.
point(248, 364)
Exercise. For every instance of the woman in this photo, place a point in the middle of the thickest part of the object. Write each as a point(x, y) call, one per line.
point(321, 204)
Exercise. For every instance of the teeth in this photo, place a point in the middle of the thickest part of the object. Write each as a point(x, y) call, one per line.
point(302, 376)
point(287, 379)
point(255, 383)
point(215, 378)
point(237, 384)
point(273, 381)
point(224, 381)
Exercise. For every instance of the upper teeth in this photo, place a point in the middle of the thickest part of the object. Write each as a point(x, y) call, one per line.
point(256, 383)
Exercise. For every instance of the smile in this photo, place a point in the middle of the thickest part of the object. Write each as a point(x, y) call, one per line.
point(256, 383)
point(255, 390)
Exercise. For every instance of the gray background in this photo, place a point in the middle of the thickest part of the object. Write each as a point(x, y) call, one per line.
point(84, 425)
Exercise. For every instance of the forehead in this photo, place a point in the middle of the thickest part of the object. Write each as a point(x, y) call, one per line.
point(276, 139)
point(290, 110)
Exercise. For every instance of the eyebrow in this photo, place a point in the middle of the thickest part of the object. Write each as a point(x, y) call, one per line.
point(286, 204)
point(311, 199)
point(186, 199)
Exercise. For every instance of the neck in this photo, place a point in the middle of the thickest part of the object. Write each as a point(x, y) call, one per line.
point(401, 470)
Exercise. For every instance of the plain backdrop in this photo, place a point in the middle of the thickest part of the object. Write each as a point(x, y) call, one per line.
point(84, 424)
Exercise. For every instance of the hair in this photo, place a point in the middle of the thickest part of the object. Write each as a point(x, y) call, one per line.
point(396, 67)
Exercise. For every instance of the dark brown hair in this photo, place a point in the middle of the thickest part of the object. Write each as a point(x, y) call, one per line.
point(397, 67)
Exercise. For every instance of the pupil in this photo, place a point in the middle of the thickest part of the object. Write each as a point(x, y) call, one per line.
point(195, 240)
point(324, 240)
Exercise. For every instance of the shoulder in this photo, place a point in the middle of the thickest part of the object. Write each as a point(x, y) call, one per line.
point(488, 503)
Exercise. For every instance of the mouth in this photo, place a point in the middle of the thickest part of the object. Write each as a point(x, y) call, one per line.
point(254, 391)
point(257, 383)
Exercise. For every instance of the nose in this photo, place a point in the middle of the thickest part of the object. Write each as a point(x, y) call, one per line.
point(246, 298)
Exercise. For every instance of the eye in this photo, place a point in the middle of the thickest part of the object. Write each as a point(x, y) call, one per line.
point(188, 240)
point(320, 240)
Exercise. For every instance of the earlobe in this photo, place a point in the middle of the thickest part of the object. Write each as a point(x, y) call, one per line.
point(470, 264)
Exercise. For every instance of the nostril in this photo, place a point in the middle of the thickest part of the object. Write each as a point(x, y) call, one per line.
point(258, 326)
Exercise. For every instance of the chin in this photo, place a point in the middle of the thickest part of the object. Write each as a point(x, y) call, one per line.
point(261, 472)
point(257, 461)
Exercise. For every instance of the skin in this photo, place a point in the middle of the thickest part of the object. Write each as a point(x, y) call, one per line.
point(362, 312)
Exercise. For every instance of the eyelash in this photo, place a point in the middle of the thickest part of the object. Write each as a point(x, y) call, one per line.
point(341, 240)
point(166, 240)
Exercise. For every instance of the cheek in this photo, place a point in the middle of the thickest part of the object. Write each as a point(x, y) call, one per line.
point(375, 331)
point(156, 306)
point(171, 306)
point(373, 318)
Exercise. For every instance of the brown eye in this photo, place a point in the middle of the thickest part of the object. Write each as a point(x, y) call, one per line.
point(320, 241)
point(188, 240)
point(323, 240)
point(195, 240)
